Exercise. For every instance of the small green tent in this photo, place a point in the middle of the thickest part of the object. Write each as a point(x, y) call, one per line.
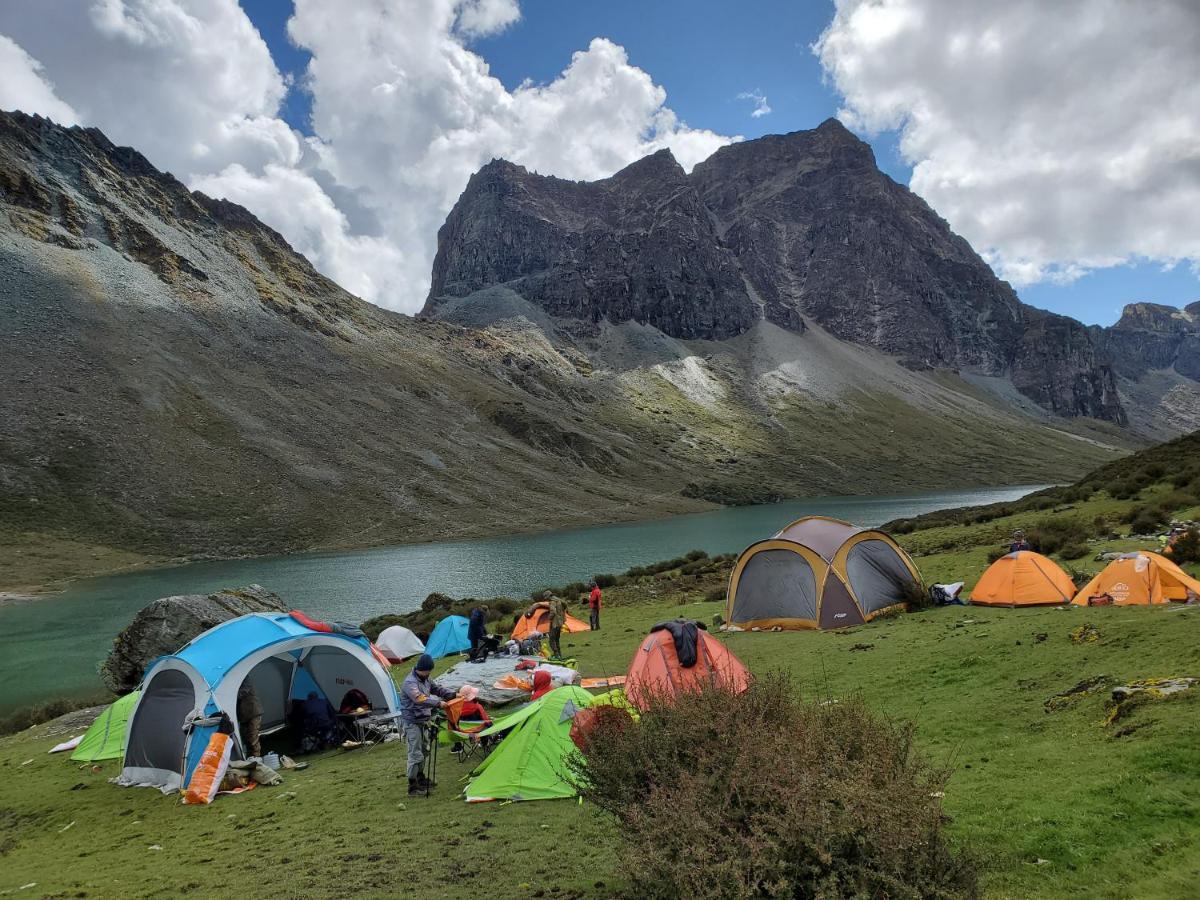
point(530, 763)
point(106, 738)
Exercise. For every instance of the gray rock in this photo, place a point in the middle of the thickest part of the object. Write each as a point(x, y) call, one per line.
point(165, 625)
point(786, 228)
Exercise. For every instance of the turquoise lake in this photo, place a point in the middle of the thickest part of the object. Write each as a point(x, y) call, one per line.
point(50, 648)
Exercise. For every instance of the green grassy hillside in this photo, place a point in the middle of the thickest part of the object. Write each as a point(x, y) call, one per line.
point(1109, 810)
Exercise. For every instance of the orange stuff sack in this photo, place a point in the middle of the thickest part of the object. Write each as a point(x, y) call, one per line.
point(210, 771)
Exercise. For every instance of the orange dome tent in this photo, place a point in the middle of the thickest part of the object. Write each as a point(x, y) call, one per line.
point(1138, 579)
point(1023, 578)
point(657, 670)
point(537, 618)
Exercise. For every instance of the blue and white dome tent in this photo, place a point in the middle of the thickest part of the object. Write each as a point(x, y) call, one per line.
point(184, 694)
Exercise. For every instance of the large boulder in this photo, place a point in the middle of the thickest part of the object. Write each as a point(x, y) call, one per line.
point(168, 623)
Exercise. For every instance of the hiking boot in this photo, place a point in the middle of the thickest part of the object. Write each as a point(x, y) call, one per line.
point(413, 787)
point(424, 783)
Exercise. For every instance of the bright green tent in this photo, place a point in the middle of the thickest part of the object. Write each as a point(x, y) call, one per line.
point(530, 763)
point(106, 738)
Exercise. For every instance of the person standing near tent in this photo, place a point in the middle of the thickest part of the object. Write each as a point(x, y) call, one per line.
point(420, 695)
point(249, 713)
point(558, 618)
point(477, 629)
point(1019, 543)
point(594, 607)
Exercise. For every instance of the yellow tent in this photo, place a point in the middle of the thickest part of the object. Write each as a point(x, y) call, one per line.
point(1140, 578)
point(1023, 578)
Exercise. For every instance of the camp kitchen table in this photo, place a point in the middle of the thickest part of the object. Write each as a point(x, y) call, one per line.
point(369, 727)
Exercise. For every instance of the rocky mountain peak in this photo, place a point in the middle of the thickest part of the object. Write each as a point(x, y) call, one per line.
point(1159, 317)
point(789, 228)
point(660, 166)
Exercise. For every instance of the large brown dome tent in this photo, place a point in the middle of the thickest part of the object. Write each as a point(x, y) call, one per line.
point(818, 572)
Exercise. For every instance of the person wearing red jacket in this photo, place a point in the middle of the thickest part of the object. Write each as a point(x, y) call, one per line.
point(594, 607)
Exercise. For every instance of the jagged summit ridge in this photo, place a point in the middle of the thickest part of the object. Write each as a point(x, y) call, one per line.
point(786, 228)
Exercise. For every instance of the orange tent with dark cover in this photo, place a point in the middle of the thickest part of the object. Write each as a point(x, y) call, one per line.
point(537, 618)
point(1137, 579)
point(1023, 578)
point(657, 670)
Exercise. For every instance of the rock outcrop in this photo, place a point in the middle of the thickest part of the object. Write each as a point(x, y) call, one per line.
point(1151, 336)
point(167, 624)
point(786, 228)
point(639, 245)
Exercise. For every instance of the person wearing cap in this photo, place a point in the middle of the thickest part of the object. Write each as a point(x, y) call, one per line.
point(420, 695)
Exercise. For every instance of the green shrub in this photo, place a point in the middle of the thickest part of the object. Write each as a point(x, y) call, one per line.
point(693, 555)
point(1186, 548)
point(717, 594)
point(28, 716)
point(776, 797)
point(1073, 551)
point(436, 601)
point(994, 555)
point(1146, 519)
point(605, 581)
point(915, 596)
point(503, 606)
point(1051, 535)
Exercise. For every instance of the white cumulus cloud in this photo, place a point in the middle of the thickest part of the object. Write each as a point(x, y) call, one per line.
point(23, 87)
point(404, 111)
point(1056, 137)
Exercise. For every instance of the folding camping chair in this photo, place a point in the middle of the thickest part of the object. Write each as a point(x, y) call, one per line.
point(461, 735)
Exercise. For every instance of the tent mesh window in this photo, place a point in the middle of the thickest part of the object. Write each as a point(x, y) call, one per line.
point(156, 735)
point(776, 584)
point(877, 575)
point(272, 682)
point(337, 672)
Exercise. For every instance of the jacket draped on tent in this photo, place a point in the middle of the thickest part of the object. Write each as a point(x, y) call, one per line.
point(656, 671)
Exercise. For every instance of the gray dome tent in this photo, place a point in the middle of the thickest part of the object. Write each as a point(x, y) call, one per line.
point(818, 573)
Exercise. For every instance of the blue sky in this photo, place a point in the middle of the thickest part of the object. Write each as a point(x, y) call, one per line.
point(705, 53)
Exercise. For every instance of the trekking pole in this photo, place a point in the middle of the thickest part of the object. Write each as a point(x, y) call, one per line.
point(431, 757)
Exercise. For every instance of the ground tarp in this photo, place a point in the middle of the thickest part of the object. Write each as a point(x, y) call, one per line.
point(484, 676)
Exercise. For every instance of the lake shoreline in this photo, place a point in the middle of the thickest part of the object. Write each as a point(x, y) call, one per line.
point(55, 646)
point(32, 592)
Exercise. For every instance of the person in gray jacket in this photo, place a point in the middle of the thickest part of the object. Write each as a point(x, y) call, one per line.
point(420, 695)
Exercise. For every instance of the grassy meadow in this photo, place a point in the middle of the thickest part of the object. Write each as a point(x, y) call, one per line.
point(1053, 797)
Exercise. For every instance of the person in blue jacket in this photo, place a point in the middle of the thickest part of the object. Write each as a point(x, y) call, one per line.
point(477, 629)
point(420, 695)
